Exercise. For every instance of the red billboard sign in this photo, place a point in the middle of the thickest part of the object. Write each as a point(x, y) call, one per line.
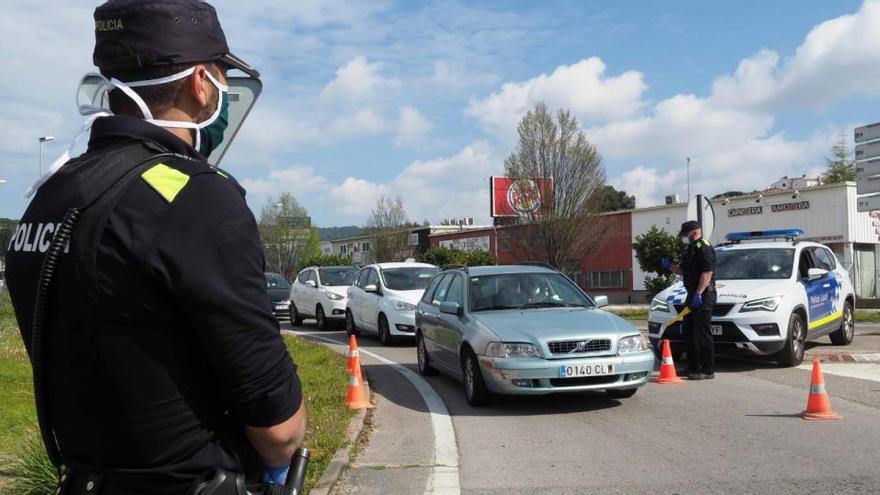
point(511, 197)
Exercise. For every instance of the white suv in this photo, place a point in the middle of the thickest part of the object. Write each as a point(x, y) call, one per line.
point(321, 293)
point(774, 294)
point(383, 300)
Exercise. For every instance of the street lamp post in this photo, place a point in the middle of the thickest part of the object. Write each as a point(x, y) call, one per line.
point(41, 140)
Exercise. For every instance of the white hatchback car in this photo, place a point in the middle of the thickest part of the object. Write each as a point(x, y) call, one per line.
point(383, 299)
point(321, 293)
point(775, 292)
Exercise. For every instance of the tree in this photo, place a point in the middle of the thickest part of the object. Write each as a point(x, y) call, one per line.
point(564, 228)
point(387, 226)
point(447, 256)
point(840, 166)
point(287, 238)
point(611, 199)
point(651, 247)
point(7, 229)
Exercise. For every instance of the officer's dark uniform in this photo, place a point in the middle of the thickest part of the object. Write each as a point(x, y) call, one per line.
point(699, 257)
point(160, 340)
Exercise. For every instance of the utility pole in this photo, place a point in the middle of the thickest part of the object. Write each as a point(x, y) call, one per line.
point(41, 140)
point(689, 177)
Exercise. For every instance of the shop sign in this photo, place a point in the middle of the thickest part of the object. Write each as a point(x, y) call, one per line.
point(468, 244)
point(749, 210)
point(795, 206)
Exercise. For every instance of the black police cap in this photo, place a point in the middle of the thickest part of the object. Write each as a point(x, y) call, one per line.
point(137, 34)
point(688, 227)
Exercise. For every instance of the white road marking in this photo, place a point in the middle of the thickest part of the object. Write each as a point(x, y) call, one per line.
point(864, 371)
point(444, 479)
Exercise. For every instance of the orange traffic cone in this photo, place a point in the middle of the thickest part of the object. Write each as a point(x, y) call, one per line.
point(818, 405)
point(353, 359)
point(356, 397)
point(667, 367)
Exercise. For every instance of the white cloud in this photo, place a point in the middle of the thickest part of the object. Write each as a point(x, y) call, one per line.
point(358, 81)
point(355, 197)
point(583, 88)
point(411, 127)
point(837, 59)
point(298, 179)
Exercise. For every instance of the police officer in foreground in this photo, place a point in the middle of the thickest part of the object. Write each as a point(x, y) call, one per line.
point(698, 271)
point(158, 365)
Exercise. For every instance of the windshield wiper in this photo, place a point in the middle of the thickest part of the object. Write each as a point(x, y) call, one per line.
point(543, 304)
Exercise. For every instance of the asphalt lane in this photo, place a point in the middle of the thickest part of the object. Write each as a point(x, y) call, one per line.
point(739, 433)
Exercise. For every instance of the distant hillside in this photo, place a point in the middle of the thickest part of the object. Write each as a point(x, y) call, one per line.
point(334, 233)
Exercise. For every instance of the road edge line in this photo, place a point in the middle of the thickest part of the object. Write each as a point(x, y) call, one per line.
point(444, 479)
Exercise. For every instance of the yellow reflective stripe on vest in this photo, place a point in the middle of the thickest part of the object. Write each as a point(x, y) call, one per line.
point(165, 180)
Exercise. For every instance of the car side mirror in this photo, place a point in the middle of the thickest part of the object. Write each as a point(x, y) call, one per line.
point(451, 308)
point(601, 301)
point(372, 288)
point(310, 283)
point(816, 274)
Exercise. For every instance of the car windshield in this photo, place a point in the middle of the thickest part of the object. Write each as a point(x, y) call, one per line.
point(415, 278)
point(524, 290)
point(748, 264)
point(337, 276)
point(276, 281)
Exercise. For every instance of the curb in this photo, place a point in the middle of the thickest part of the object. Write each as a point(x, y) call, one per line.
point(336, 466)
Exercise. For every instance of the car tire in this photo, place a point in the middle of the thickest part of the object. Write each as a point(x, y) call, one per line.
point(475, 390)
point(385, 332)
point(844, 335)
point(295, 318)
point(350, 328)
point(793, 352)
point(620, 394)
point(320, 318)
point(424, 359)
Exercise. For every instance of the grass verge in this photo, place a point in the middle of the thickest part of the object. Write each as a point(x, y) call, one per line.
point(25, 469)
point(862, 316)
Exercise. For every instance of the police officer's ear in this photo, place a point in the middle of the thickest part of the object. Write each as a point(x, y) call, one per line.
point(202, 91)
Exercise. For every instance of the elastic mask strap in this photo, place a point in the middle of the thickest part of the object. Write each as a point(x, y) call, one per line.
point(145, 111)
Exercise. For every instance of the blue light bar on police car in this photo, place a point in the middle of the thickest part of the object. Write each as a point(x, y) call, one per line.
point(764, 234)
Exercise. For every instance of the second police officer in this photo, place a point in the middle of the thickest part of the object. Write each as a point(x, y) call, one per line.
point(698, 271)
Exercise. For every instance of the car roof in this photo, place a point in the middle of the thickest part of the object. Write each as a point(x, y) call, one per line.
point(769, 245)
point(315, 267)
point(403, 265)
point(479, 271)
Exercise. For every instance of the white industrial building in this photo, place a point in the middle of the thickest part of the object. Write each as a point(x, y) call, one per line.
point(826, 214)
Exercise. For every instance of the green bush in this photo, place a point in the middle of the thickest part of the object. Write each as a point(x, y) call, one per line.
point(445, 256)
point(31, 472)
point(651, 247)
point(328, 260)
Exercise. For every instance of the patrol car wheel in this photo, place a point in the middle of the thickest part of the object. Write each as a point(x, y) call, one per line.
point(620, 394)
point(350, 329)
point(844, 335)
point(295, 318)
point(793, 352)
point(422, 354)
point(320, 319)
point(384, 332)
point(475, 390)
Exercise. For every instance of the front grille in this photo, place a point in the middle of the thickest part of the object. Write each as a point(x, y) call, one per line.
point(719, 310)
point(583, 380)
point(590, 345)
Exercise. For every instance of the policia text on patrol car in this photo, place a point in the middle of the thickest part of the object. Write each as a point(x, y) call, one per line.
point(698, 271)
point(158, 365)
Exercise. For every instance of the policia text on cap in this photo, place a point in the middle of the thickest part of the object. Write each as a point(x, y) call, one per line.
point(158, 365)
point(698, 270)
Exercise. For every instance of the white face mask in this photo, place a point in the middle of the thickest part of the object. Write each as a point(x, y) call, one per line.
point(685, 239)
point(94, 110)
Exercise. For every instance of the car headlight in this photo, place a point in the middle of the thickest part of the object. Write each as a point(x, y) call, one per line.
point(658, 304)
point(766, 304)
point(633, 343)
point(333, 296)
point(402, 305)
point(512, 350)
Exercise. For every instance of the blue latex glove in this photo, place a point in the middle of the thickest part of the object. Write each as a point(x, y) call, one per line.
point(697, 301)
point(666, 263)
point(277, 475)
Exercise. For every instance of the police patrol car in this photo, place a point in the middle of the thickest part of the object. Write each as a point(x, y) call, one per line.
point(775, 292)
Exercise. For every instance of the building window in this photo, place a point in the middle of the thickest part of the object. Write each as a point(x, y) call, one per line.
point(605, 279)
point(414, 239)
point(343, 249)
point(365, 247)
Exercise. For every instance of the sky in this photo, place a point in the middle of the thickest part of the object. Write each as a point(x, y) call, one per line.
point(421, 99)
